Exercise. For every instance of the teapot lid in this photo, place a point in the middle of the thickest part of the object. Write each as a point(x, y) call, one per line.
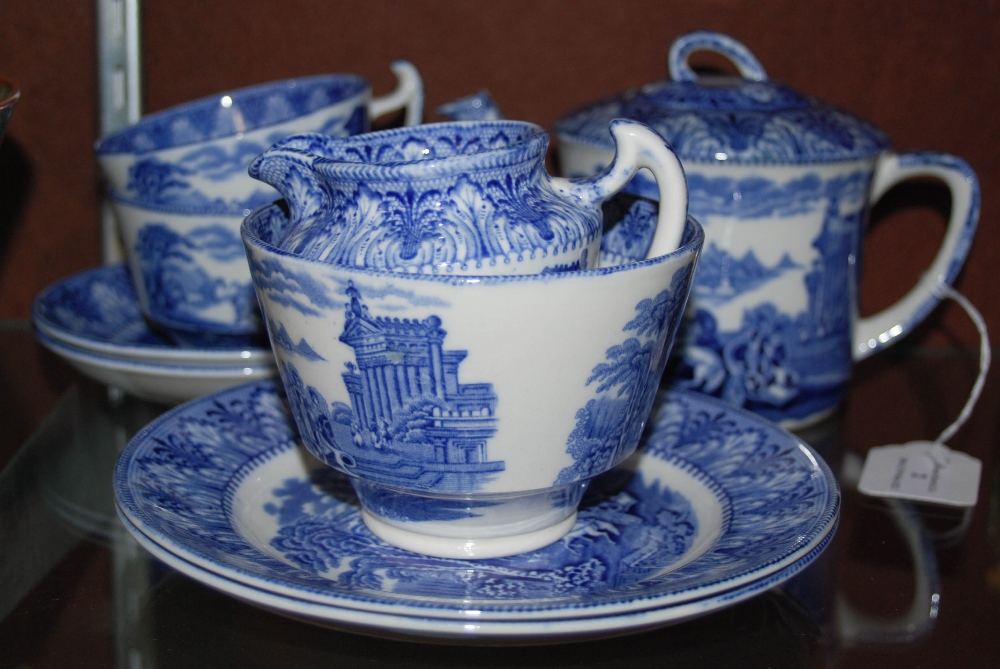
point(710, 119)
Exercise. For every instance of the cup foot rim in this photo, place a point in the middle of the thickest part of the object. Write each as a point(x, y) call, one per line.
point(468, 548)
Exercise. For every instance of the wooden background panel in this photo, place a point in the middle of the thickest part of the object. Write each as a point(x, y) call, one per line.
point(49, 191)
point(922, 70)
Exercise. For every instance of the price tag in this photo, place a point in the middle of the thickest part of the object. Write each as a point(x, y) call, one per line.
point(922, 471)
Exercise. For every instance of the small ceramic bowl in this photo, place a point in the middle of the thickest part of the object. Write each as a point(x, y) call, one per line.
point(194, 156)
point(469, 412)
point(189, 271)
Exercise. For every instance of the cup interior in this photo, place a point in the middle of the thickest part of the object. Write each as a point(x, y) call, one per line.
point(230, 113)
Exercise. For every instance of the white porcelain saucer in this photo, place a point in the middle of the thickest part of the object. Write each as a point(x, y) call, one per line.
point(97, 311)
point(156, 382)
point(719, 505)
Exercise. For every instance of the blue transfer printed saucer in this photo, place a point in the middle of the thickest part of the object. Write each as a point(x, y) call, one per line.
point(719, 506)
point(471, 630)
point(97, 311)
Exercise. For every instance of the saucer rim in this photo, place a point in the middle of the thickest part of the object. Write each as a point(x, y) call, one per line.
point(165, 353)
point(160, 384)
point(827, 518)
point(169, 370)
point(459, 629)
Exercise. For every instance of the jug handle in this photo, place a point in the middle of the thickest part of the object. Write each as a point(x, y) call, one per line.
point(409, 93)
point(875, 332)
point(288, 167)
point(639, 146)
point(724, 45)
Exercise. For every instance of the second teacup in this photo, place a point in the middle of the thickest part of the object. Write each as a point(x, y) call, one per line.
point(467, 197)
point(194, 156)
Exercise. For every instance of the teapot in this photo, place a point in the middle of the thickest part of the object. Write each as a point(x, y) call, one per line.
point(783, 185)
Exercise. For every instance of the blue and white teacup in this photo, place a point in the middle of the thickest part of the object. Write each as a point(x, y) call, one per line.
point(469, 412)
point(194, 156)
point(464, 197)
point(783, 185)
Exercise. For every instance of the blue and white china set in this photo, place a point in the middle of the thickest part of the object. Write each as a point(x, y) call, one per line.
point(468, 436)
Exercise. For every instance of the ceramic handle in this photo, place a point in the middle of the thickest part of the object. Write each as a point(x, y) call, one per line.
point(879, 330)
point(409, 93)
point(638, 146)
point(682, 48)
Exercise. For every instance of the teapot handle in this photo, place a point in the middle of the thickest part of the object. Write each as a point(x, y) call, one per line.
point(409, 93)
point(704, 40)
point(879, 330)
point(638, 146)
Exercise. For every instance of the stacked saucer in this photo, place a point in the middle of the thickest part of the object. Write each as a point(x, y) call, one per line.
point(718, 506)
point(92, 320)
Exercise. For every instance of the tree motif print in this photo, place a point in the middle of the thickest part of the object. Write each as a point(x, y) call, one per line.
point(174, 281)
point(609, 426)
point(757, 360)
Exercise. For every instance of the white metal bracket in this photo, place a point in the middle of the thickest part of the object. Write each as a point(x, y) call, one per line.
point(119, 89)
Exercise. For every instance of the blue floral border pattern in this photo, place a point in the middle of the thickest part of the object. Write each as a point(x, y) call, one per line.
point(176, 481)
point(255, 107)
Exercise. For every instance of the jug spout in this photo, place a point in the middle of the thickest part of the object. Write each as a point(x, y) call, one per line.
point(288, 166)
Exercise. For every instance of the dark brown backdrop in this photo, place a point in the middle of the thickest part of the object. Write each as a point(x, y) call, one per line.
point(923, 70)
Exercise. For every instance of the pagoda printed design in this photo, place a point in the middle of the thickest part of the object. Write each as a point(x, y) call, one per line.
point(410, 422)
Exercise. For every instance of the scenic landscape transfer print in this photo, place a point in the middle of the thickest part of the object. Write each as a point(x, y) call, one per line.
point(629, 529)
point(778, 357)
point(410, 422)
point(413, 424)
point(635, 533)
point(609, 426)
point(177, 284)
